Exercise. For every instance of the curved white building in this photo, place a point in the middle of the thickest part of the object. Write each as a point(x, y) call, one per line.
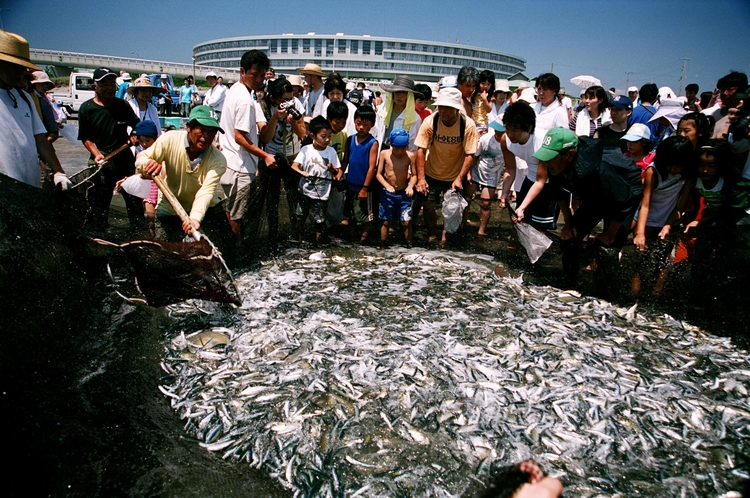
point(360, 57)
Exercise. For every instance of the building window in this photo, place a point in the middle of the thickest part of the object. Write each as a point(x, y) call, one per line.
point(354, 47)
point(306, 46)
point(378, 48)
point(318, 48)
point(284, 45)
point(342, 46)
point(329, 47)
point(295, 46)
point(273, 46)
point(366, 47)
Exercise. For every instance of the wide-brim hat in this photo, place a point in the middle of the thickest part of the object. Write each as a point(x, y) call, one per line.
point(450, 97)
point(313, 69)
point(528, 95)
point(143, 83)
point(295, 80)
point(41, 78)
point(15, 49)
point(669, 108)
point(502, 86)
point(401, 83)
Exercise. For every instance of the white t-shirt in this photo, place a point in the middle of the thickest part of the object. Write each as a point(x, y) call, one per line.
point(526, 152)
point(214, 97)
point(19, 122)
point(315, 162)
point(490, 162)
point(566, 103)
point(552, 116)
point(239, 113)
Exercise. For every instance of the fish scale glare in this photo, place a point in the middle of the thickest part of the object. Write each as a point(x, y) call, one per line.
point(392, 373)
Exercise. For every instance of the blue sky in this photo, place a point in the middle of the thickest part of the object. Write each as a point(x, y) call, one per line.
point(603, 38)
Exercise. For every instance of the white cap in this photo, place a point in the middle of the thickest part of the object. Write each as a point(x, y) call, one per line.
point(633, 89)
point(636, 132)
point(211, 73)
point(528, 95)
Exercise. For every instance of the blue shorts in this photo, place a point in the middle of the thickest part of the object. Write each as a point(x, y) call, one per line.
point(396, 206)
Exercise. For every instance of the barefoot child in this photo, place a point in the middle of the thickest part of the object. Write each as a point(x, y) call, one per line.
point(666, 190)
point(318, 164)
point(361, 161)
point(396, 174)
point(487, 173)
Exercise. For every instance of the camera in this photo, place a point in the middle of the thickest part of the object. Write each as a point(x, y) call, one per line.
point(289, 107)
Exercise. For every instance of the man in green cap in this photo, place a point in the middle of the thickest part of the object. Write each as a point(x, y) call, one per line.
point(607, 184)
point(192, 167)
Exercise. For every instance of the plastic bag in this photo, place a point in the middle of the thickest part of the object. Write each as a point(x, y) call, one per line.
point(70, 133)
point(453, 210)
point(533, 240)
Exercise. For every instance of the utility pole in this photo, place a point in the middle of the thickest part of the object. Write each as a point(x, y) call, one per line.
point(684, 68)
point(627, 79)
point(552, 69)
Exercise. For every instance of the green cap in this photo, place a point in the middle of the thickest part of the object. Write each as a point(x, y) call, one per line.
point(205, 116)
point(555, 141)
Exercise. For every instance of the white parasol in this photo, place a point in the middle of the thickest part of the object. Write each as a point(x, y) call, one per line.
point(584, 81)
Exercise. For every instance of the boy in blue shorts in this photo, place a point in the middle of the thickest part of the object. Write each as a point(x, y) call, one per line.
point(319, 165)
point(397, 175)
point(362, 159)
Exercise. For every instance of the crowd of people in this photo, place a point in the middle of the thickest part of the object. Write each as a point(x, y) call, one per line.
point(648, 164)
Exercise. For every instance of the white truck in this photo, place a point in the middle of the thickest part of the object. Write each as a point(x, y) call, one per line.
point(79, 90)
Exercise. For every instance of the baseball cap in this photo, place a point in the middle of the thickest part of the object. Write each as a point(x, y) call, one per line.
point(146, 129)
point(555, 141)
point(103, 72)
point(211, 73)
point(633, 89)
point(497, 125)
point(621, 102)
point(399, 138)
point(638, 131)
point(205, 116)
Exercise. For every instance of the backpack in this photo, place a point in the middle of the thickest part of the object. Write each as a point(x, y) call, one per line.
point(461, 126)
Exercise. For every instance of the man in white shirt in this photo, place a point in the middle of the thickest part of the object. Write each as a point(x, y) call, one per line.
point(25, 139)
point(239, 120)
point(214, 97)
point(315, 97)
point(549, 112)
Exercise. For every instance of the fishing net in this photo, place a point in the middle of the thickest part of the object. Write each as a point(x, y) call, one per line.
point(168, 272)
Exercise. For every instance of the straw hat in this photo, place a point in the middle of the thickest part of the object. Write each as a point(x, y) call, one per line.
point(142, 83)
point(15, 49)
point(313, 69)
point(294, 79)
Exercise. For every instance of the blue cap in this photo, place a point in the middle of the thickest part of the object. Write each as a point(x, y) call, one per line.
point(146, 129)
point(399, 138)
point(621, 102)
point(497, 125)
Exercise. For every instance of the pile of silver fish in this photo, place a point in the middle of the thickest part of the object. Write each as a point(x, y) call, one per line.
point(395, 372)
